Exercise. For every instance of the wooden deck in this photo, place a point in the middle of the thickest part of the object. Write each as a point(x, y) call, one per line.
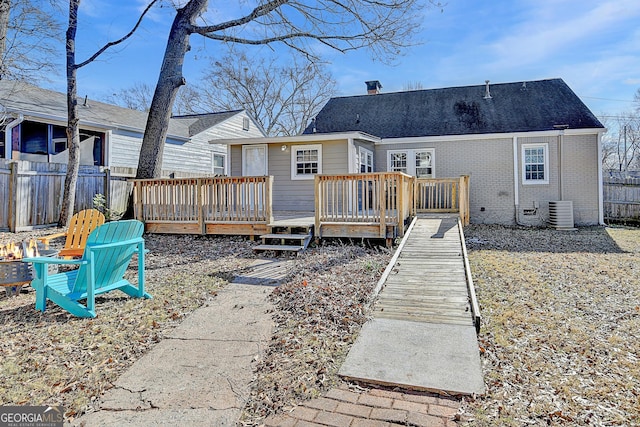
point(292, 219)
point(376, 205)
point(428, 281)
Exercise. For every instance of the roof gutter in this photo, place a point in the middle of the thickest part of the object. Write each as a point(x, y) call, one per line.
point(482, 136)
point(301, 139)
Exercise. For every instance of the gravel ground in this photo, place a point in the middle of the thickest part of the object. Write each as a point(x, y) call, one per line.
point(559, 342)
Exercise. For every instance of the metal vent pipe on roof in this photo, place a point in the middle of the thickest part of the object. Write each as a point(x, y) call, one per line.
point(487, 94)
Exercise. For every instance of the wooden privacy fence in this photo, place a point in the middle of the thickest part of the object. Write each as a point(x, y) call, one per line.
point(443, 195)
point(377, 204)
point(32, 192)
point(621, 199)
point(221, 205)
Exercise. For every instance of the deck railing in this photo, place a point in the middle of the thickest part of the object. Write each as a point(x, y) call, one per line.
point(443, 195)
point(371, 205)
point(373, 200)
point(198, 205)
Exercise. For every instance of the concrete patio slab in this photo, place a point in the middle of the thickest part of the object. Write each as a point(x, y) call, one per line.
point(442, 358)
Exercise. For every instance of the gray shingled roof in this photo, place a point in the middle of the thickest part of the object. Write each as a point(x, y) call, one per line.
point(25, 98)
point(200, 122)
point(513, 107)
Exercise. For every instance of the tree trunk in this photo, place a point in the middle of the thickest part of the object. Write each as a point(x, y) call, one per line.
point(73, 133)
point(5, 9)
point(169, 82)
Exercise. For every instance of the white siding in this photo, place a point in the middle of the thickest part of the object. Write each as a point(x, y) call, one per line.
point(194, 155)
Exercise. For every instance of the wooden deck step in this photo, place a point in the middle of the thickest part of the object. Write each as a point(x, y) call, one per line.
point(285, 236)
point(284, 241)
point(287, 248)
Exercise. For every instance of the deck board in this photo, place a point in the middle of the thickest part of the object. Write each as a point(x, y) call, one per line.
point(428, 281)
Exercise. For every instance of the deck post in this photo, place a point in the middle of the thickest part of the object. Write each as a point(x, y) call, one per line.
point(318, 204)
point(200, 206)
point(384, 182)
point(463, 199)
point(269, 199)
point(400, 200)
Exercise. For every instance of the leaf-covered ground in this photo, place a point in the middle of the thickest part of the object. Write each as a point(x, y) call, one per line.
point(559, 343)
point(319, 312)
point(53, 358)
point(560, 339)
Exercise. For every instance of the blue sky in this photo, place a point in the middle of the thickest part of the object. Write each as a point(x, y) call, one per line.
point(594, 45)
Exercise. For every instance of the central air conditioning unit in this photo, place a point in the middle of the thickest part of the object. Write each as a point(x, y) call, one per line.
point(561, 215)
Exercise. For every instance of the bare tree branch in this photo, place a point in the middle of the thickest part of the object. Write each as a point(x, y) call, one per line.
point(73, 118)
point(385, 27)
point(117, 42)
point(29, 32)
point(282, 98)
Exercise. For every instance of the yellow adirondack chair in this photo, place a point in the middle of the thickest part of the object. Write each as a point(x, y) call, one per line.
point(81, 225)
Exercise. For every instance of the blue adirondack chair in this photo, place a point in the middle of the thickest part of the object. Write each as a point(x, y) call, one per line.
point(106, 256)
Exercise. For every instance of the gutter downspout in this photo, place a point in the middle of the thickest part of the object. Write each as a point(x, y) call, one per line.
point(8, 141)
point(516, 188)
point(600, 184)
point(560, 144)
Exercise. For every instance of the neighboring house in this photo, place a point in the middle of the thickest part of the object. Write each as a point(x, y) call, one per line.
point(523, 145)
point(111, 136)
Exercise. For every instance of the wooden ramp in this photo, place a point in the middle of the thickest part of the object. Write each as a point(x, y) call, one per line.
point(423, 334)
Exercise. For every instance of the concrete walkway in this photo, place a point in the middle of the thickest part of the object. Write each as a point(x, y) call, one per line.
point(200, 374)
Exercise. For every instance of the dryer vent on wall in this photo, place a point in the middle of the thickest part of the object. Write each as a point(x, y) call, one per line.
point(561, 215)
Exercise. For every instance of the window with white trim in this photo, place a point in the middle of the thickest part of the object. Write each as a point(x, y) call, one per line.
point(412, 162)
point(398, 161)
point(424, 164)
point(219, 161)
point(535, 163)
point(366, 160)
point(306, 161)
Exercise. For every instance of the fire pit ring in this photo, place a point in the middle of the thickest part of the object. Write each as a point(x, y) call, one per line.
point(14, 273)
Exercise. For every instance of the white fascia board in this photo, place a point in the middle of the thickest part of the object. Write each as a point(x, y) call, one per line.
point(55, 119)
point(485, 136)
point(304, 139)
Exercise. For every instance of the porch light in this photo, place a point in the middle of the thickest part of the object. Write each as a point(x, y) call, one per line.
point(283, 148)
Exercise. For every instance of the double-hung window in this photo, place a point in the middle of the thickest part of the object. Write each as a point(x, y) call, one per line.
point(535, 163)
point(306, 161)
point(424, 164)
point(219, 161)
point(365, 160)
point(417, 162)
point(398, 161)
